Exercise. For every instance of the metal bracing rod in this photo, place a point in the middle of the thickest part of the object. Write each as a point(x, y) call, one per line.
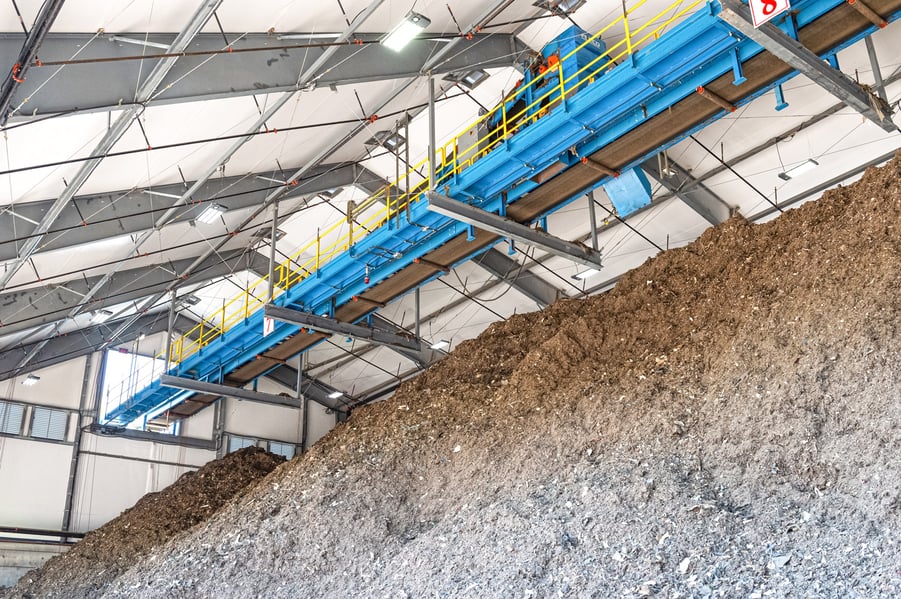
point(225, 391)
point(492, 11)
point(417, 306)
point(506, 227)
point(694, 194)
point(303, 79)
point(797, 56)
point(272, 239)
point(593, 221)
point(170, 329)
point(115, 132)
point(335, 327)
point(877, 71)
point(433, 150)
point(519, 277)
point(42, 24)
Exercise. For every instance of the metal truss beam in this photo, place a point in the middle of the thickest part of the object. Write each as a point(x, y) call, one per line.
point(693, 193)
point(106, 85)
point(335, 327)
point(310, 388)
point(519, 277)
point(105, 430)
point(127, 212)
point(305, 77)
point(505, 227)
point(26, 54)
point(423, 357)
point(797, 56)
point(20, 310)
point(82, 343)
point(216, 389)
point(144, 91)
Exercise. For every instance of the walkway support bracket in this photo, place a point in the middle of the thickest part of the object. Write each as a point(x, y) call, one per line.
point(206, 388)
point(505, 227)
point(335, 327)
point(797, 56)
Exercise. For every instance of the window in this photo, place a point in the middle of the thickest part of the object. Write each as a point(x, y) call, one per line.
point(235, 443)
point(11, 416)
point(47, 423)
point(283, 449)
point(125, 374)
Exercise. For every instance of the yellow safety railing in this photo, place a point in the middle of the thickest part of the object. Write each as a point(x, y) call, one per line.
point(397, 197)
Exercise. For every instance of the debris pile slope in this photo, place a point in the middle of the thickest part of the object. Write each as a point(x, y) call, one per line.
point(92, 564)
point(725, 423)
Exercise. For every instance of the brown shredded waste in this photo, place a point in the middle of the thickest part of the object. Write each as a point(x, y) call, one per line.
point(724, 423)
point(105, 553)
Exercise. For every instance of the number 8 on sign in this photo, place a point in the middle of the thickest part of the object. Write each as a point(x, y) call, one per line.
point(764, 10)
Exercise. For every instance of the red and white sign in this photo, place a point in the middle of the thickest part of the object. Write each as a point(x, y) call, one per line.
point(268, 325)
point(764, 10)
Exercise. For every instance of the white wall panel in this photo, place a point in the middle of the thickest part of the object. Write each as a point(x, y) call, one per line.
point(33, 476)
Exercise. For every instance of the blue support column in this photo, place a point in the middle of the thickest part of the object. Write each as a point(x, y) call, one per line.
point(738, 76)
point(781, 104)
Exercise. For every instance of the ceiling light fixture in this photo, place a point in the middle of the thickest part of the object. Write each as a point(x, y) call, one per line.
point(101, 316)
point(386, 139)
point(585, 274)
point(560, 8)
point(440, 345)
point(330, 194)
point(412, 25)
point(266, 233)
point(210, 214)
point(470, 79)
point(31, 380)
point(807, 165)
point(335, 395)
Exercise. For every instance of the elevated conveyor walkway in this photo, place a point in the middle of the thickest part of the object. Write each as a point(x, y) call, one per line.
point(634, 100)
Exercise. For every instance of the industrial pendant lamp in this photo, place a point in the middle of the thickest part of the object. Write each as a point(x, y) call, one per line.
point(412, 25)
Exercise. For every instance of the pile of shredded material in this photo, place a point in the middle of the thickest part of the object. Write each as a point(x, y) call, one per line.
point(105, 553)
point(725, 423)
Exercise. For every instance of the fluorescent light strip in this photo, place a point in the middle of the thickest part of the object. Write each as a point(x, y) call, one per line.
point(585, 274)
point(412, 25)
point(806, 166)
point(440, 345)
point(210, 214)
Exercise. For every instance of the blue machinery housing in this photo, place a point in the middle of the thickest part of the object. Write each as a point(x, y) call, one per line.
point(622, 116)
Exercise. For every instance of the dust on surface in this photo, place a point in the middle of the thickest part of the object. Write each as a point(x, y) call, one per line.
point(86, 569)
point(724, 423)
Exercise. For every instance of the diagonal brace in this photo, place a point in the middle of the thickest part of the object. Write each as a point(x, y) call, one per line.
point(797, 56)
point(505, 227)
point(335, 327)
point(206, 388)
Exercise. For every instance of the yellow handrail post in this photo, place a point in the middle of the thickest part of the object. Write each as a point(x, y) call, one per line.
point(504, 119)
point(628, 34)
point(318, 246)
point(562, 87)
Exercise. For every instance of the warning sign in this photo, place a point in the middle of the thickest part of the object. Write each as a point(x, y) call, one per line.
point(764, 10)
